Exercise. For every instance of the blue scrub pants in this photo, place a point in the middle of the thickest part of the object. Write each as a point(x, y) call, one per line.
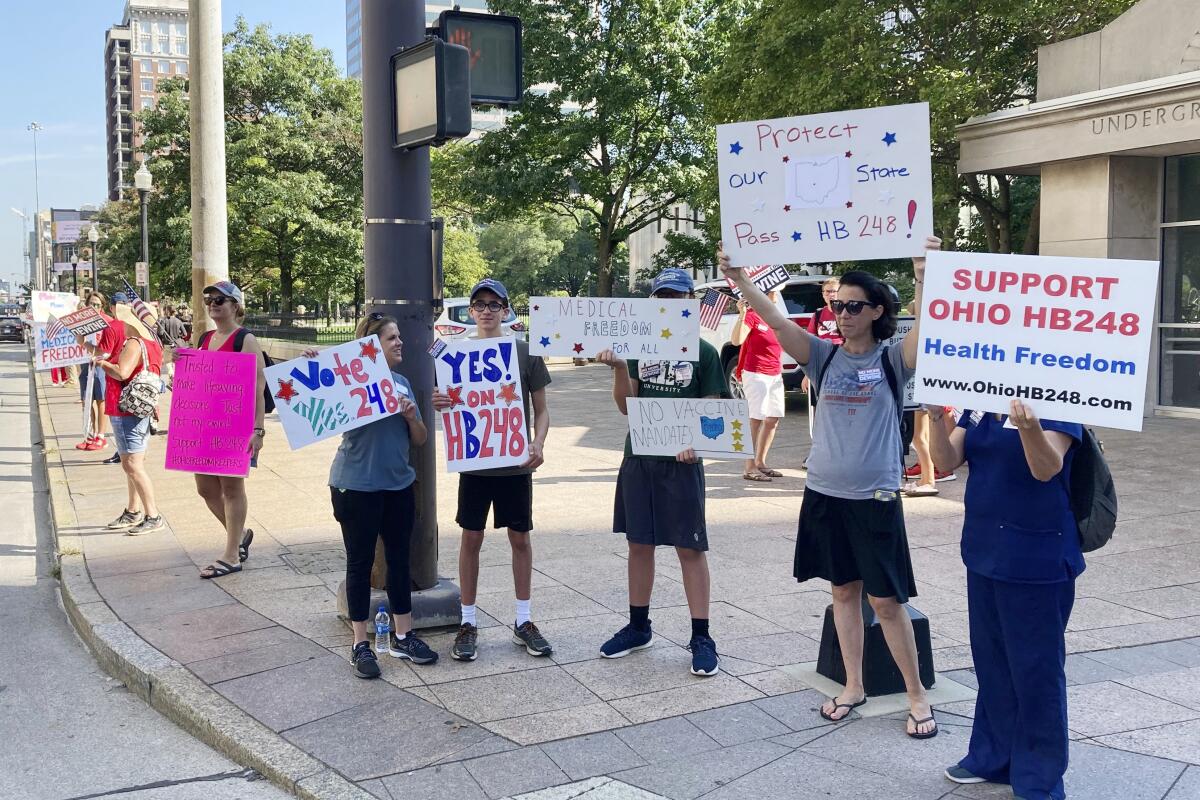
point(1020, 731)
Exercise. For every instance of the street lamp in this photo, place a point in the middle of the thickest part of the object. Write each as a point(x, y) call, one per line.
point(93, 237)
point(75, 273)
point(34, 128)
point(142, 181)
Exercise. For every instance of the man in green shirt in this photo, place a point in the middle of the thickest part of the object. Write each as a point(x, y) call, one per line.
point(660, 500)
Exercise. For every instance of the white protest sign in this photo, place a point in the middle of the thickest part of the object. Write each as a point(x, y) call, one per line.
point(343, 388)
point(713, 427)
point(84, 322)
point(61, 351)
point(765, 277)
point(485, 427)
point(903, 326)
point(1070, 337)
point(646, 328)
point(58, 304)
point(844, 186)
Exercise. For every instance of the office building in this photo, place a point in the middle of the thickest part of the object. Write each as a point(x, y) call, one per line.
point(149, 45)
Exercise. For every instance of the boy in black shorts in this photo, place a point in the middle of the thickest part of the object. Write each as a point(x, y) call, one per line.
point(660, 500)
point(508, 491)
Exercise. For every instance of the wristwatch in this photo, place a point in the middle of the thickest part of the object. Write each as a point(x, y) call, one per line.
point(261, 432)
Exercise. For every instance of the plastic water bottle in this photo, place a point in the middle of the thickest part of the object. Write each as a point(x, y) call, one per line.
point(383, 624)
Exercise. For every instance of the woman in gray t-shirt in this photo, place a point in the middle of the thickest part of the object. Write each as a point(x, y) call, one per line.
point(851, 530)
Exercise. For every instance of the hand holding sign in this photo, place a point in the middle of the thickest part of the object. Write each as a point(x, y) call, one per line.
point(482, 404)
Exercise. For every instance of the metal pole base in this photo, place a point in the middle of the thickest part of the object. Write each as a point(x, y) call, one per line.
point(436, 607)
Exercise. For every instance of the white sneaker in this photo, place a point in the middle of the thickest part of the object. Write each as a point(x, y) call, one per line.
point(918, 490)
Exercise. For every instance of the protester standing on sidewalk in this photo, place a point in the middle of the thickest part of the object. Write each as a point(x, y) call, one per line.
point(1022, 560)
point(508, 491)
point(370, 485)
point(660, 500)
point(99, 420)
point(823, 325)
point(225, 495)
point(173, 335)
point(760, 363)
point(851, 529)
point(137, 352)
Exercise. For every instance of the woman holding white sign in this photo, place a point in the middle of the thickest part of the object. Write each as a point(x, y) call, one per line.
point(851, 529)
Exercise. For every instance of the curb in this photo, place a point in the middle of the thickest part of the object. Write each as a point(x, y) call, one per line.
point(163, 683)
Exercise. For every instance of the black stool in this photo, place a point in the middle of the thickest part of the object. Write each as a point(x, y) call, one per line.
point(880, 673)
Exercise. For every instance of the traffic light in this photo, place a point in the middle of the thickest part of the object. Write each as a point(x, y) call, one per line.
point(430, 96)
point(494, 44)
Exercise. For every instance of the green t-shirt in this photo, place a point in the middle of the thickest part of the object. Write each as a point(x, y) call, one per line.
point(703, 378)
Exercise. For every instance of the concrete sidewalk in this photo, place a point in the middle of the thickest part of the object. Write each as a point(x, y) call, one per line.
point(256, 663)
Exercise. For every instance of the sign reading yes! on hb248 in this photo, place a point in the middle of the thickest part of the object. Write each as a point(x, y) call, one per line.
point(642, 328)
point(844, 186)
point(485, 426)
point(343, 388)
point(1069, 337)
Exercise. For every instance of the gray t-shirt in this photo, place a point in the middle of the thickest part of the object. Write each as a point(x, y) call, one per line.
point(856, 433)
point(374, 458)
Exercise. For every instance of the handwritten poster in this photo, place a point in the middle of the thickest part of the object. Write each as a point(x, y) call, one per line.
point(642, 328)
point(83, 322)
point(1070, 337)
point(844, 186)
point(486, 426)
point(343, 388)
point(60, 351)
point(212, 412)
point(765, 277)
point(45, 304)
point(713, 427)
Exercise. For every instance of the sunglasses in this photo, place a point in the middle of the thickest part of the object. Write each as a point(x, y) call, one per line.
point(854, 307)
point(215, 300)
point(493, 306)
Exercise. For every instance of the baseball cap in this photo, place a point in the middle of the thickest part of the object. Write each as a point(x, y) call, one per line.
point(492, 285)
point(672, 278)
point(120, 297)
point(227, 288)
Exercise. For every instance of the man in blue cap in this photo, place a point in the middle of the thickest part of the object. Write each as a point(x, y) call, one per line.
point(660, 500)
point(507, 491)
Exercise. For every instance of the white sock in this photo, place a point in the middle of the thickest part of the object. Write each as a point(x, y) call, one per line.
point(468, 615)
point(522, 612)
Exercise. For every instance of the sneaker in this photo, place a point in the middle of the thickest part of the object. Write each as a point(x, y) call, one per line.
point(625, 641)
point(86, 444)
point(914, 471)
point(704, 656)
point(412, 648)
point(98, 443)
point(464, 643)
point(115, 458)
point(127, 520)
point(914, 489)
point(531, 639)
point(147, 525)
point(366, 665)
point(960, 775)
point(942, 477)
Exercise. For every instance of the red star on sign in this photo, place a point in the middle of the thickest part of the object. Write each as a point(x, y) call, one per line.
point(787, 208)
point(286, 391)
point(683, 349)
point(848, 154)
point(508, 393)
point(849, 204)
point(786, 159)
point(578, 348)
point(455, 395)
point(369, 350)
point(537, 308)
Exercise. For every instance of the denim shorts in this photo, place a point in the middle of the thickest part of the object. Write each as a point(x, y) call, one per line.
point(98, 389)
point(131, 434)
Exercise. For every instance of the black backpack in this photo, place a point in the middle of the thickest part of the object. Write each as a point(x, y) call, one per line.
point(1093, 495)
point(238, 339)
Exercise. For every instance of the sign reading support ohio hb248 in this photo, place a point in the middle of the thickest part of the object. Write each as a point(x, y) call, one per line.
point(485, 426)
point(581, 327)
point(1069, 337)
point(845, 186)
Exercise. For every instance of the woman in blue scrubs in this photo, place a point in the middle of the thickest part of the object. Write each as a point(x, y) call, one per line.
point(1020, 545)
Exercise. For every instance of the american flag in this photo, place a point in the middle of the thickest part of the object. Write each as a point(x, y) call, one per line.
point(53, 328)
point(712, 306)
point(141, 309)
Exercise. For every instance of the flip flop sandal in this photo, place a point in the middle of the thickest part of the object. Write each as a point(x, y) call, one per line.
point(244, 547)
point(219, 569)
point(918, 723)
point(836, 706)
point(754, 476)
point(770, 473)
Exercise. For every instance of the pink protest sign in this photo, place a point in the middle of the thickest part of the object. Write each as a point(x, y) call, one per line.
point(212, 412)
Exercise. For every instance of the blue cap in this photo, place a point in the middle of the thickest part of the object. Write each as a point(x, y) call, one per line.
point(673, 278)
point(492, 285)
point(229, 289)
point(120, 297)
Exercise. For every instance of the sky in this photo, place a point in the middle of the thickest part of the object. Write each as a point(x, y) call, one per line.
point(52, 59)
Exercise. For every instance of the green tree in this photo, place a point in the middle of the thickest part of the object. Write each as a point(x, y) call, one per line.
point(518, 252)
point(463, 264)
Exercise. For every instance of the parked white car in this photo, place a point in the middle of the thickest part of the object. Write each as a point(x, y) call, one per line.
point(455, 322)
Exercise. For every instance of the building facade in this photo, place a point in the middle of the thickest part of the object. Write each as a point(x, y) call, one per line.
point(1115, 136)
point(148, 46)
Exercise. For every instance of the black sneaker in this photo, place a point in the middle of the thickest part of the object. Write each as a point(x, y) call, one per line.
point(464, 643)
point(529, 637)
point(704, 656)
point(625, 641)
point(127, 520)
point(960, 775)
point(366, 665)
point(147, 525)
point(412, 648)
point(115, 458)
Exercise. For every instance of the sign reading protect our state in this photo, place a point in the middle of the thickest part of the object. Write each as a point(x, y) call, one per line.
point(485, 426)
point(212, 412)
point(1070, 337)
point(646, 328)
point(713, 427)
point(844, 186)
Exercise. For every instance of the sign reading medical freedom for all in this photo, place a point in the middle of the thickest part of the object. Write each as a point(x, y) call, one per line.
point(844, 186)
point(1070, 337)
point(646, 329)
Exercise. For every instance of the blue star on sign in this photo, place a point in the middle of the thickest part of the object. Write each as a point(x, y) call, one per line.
point(686, 313)
point(889, 138)
point(735, 148)
point(545, 341)
point(797, 236)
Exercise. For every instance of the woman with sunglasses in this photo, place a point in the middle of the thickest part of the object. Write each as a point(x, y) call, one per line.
point(225, 495)
point(851, 529)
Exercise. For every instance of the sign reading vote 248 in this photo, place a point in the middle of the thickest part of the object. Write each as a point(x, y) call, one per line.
point(485, 426)
point(343, 388)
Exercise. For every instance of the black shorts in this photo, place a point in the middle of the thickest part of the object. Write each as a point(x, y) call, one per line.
point(855, 540)
point(509, 496)
point(661, 503)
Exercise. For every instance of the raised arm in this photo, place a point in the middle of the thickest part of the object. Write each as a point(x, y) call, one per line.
point(737, 336)
point(911, 339)
point(624, 387)
point(1044, 450)
point(792, 338)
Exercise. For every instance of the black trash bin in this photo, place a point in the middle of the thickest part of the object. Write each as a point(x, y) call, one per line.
point(880, 673)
